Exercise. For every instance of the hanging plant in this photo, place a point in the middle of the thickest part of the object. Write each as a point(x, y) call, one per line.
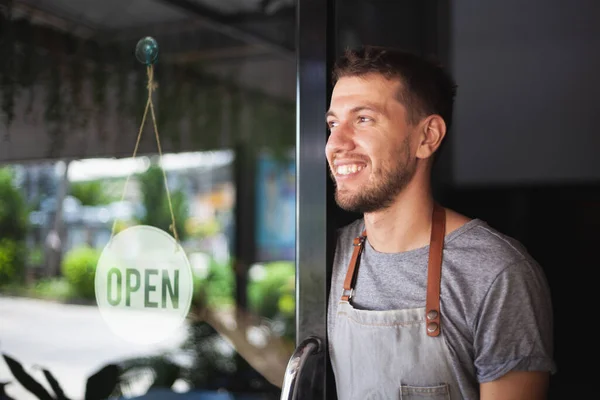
point(177, 110)
point(54, 110)
point(271, 122)
point(198, 113)
point(124, 71)
point(99, 86)
point(8, 66)
point(28, 64)
point(78, 112)
point(213, 129)
point(170, 106)
point(237, 99)
point(163, 106)
point(140, 94)
point(186, 104)
point(55, 101)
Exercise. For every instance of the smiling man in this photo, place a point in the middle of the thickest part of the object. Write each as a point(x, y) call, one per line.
point(425, 303)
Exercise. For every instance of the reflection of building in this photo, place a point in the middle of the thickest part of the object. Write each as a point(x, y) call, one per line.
point(275, 209)
point(205, 179)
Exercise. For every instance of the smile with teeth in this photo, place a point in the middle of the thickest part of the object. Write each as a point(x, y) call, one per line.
point(348, 169)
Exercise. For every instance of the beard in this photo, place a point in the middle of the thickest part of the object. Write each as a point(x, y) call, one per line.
point(383, 186)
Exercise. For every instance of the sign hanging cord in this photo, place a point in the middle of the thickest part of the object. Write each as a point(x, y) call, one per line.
point(150, 106)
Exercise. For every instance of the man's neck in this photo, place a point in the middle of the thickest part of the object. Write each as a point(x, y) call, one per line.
point(405, 225)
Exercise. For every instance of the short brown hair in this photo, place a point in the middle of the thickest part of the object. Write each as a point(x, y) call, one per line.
point(426, 87)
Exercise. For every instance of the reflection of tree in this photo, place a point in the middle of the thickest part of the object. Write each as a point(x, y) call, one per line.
point(13, 211)
point(57, 235)
point(91, 193)
point(156, 204)
point(13, 228)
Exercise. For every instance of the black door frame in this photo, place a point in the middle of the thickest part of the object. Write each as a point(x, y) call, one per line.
point(314, 246)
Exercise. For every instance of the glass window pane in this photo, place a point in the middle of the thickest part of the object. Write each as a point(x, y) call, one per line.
point(199, 146)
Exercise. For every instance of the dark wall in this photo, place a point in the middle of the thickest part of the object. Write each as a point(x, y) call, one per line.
point(524, 149)
point(559, 226)
point(522, 153)
point(528, 81)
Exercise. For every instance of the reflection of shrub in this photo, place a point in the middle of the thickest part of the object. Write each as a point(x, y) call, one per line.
point(35, 256)
point(91, 193)
point(13, 228)
point(13, 209)
point(218, 286)
point(12, 261)
point(273, 289)
point(54, 288)
point(156, 205)
point(203, 229)
point(272, 295)
point(79, 267)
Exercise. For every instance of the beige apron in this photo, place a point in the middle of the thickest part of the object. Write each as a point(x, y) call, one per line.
point(397, 354)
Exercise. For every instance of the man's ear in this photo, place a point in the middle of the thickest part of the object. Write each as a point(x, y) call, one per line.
point(432, 131)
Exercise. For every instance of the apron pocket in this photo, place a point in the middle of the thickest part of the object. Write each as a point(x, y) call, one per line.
point(438, 392)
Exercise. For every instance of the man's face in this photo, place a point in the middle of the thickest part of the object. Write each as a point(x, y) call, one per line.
point(370, 150)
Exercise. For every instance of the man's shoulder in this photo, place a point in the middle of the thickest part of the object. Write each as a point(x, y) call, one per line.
point(478, 243)
point(350, 231)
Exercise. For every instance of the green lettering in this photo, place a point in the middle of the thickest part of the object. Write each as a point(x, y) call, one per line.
point(148, 287)
point(111, 300)
point(132, 287)
point(172, 290)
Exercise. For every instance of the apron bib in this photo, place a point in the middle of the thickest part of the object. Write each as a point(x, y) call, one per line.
point(396, 354)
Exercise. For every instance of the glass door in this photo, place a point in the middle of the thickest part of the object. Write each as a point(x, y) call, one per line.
point(75, 80)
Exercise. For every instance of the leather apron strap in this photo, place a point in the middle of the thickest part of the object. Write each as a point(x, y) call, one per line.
point(434, 269)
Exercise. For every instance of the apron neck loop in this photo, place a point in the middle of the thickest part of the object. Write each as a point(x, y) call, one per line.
point(434, 269)
point(359, 243)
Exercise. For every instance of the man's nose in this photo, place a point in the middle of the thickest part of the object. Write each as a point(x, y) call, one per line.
point(340, 139)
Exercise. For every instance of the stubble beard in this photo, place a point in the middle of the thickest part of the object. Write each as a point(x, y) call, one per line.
point(383, 187)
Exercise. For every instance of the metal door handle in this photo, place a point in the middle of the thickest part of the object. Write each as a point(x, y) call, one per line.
point(293, 373)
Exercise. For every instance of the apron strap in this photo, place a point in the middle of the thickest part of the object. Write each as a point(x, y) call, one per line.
point(359, 243)
point(434, 269)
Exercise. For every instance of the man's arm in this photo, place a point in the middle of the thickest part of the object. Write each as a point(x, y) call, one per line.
point(513, 335)
point(517, 385)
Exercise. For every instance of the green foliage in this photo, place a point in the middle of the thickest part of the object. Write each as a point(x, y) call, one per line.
point(91, 193)
point(73, 88)
point(273, 296)
point(156, 204)
point(35, 256)
point(12, 261)
point(218, 286)
point(13, 209)
point(270, 296)
point(79, 268)
point(55, 289)
point(13, 228)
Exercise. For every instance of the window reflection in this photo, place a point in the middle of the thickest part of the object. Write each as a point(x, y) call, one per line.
point(72, 98)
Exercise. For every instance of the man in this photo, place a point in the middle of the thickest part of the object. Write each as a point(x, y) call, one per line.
point(425, 302)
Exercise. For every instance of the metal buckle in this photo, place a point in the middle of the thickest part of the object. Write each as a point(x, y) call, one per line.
point(349, 294)
point(360, 240)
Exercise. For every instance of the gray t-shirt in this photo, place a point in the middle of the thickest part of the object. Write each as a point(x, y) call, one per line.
point(495, 301)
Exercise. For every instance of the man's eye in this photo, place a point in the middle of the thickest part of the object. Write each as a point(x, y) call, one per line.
point(332, 124)
point(364, 119)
